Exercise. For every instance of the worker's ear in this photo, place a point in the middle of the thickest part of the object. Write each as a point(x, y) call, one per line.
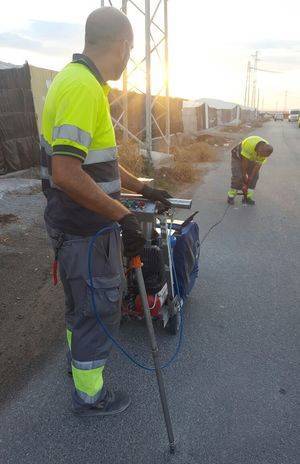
point(126, 49)
point(121, 54)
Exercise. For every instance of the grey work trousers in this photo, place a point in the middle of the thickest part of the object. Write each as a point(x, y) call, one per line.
point(89, 345)
point(237, 173)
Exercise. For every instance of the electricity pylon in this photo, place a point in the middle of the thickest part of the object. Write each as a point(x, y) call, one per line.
point(153, 15)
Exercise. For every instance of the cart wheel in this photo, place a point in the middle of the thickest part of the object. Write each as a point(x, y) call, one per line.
point(173, 324)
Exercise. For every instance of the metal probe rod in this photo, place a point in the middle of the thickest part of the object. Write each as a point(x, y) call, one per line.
point(155, 352)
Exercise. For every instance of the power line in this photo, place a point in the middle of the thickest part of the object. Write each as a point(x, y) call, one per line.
point(285, 100)
point(254, 83)
point(252, 70)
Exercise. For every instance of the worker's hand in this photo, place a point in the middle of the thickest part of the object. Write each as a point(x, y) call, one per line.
point(156, 195)
point(132, 236)
point(245, 189)
point(246, 179)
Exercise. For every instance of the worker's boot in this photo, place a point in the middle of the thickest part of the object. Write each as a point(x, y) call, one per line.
point(112, 404)
point(69, 369)
point(231, 195)
point(249, 200)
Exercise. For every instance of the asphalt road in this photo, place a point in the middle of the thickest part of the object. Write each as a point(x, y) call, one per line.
point(234, 391)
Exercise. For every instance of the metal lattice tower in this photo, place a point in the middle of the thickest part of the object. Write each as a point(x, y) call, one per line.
point(251, 79)
point(254, 82)
point(150, 23)
point(248, 84)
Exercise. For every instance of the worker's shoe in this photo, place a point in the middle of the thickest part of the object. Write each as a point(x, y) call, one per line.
point(69, 363)
point(248, 201)
point(231, 195)
point(112, 404)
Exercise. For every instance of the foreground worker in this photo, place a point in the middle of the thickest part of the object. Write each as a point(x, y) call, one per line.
point(246, 161)
point(82, 182)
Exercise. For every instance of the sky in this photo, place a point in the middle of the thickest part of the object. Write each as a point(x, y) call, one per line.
point(210, 44)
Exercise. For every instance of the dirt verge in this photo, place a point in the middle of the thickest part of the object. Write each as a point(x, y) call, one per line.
point(7, 218)
point(31, 310)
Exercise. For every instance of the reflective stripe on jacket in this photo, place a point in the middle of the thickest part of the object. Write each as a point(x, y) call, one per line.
point(77, 123)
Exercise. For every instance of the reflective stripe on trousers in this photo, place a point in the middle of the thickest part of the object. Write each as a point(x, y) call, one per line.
point(232, 193)
point(250, 193)
point(88, 344)
point(88, 383)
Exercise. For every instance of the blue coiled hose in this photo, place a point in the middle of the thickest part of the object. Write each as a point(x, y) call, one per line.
point(115, 342)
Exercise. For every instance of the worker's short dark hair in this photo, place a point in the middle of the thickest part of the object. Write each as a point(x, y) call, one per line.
point(265, 148)
point(106, 25)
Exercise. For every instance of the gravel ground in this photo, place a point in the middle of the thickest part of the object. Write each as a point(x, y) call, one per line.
point(30, 309)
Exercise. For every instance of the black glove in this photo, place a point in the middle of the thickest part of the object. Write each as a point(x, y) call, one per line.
point(132, 236)
point(156, 195)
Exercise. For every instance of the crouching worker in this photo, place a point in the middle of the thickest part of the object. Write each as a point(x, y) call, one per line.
point(246, 161)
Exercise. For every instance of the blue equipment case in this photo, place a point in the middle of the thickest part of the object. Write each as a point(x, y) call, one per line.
point(186, 252)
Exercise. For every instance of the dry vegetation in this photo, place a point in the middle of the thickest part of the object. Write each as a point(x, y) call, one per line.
point(245, 127)
point(238, 128)
point(7, 218)
point(183, 168)
point(216, 140)
point(179, 172)
point(197, 152)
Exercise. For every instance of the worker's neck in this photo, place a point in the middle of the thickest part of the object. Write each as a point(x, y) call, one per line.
point(101, 62)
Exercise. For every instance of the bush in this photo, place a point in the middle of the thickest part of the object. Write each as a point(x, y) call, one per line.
point(179, 172)
point(195, 153)
point(237, 128)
